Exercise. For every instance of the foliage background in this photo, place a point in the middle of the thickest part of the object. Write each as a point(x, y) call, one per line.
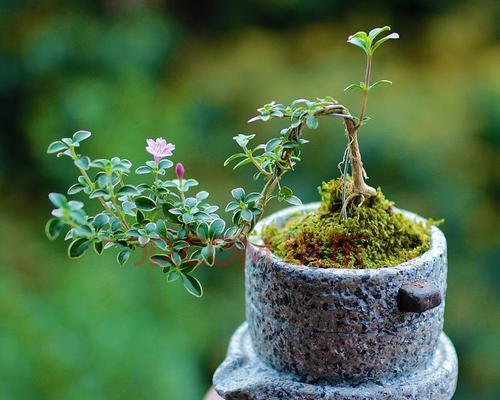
point(194, 73)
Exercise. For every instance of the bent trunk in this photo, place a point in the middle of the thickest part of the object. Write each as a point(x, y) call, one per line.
point(360, 188)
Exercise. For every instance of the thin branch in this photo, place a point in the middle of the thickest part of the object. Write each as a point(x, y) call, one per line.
point(254, 162)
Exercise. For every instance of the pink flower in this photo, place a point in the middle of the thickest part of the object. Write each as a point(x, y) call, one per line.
point(159, 148)
point(179, 171)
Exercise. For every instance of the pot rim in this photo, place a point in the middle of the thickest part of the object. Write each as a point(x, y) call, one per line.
point(437, 249)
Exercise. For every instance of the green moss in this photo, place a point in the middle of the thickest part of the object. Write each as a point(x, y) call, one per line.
point(374, 236)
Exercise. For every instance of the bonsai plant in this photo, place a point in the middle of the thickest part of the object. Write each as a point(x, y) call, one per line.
point(345, 292)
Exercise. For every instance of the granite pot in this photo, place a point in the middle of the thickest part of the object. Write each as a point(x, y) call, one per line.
point(351, 326)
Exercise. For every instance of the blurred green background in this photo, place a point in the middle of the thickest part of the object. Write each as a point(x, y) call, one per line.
point(194, 73)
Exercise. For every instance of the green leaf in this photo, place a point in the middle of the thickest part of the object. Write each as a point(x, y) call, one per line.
point(58, 199)
point(143, 186)
point(98, 193)
point(58, 212)
point(145, 203)
point(150, 228)
point(162, 228)
point(377, 31)
point(243, 140)
point(74, 205)
point(53, 228)
point(83, 231)
point(75, 188)
point(78, 216)
point(238, 193)
point(188, 184)
point(123, 256)
point(140, 216)
point(210, 210)
point(216, 228)
point(187, 218)
point(78, 247)
point(56, 147)
point(161, 259)
point(252, 197)
point(176, 259)
point(98, 247)
point(360, 35)
point(242, 162)
point(294, 200)
point(100, 163)
point(208, 254)
point(272, 144)
point(230, 232)
point(298, 101)
point(231, 206)
point(128, 190)
point(83, 163)
point(68, 141)
point(192, 285)
point(100, 220)
point(175, 211)
point(143, 170)
point(160, 243)
point(233, 157)
point(115, 224)
point(360, 39)
point(383, 40)
point(181, 244)
point(124, 165)
point(129, 208)
point(285, 193)
point(165, 163)
point(360, 85)
point(312, 122)
point(173, 275)
point(202, 195)
point(187, 268)
point(101, 179)
point(202, 231)
point(190, 202)
point(379, 82)
point(80, 136)
point(246, 215)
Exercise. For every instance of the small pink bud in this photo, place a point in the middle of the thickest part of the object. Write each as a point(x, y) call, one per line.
point(179, 170)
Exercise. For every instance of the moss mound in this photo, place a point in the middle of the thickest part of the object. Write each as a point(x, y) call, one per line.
point(374, 236)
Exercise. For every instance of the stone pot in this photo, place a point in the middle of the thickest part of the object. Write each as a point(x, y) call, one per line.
point(342, 327)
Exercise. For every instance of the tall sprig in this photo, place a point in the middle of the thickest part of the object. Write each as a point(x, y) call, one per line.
point(368, 43)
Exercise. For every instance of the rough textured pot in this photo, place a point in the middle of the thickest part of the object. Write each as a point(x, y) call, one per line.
point(341, 333)
point(341, 324)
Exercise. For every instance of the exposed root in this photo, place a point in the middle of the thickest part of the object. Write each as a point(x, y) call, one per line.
point(362, 200)
point(363, 194)
point(348, 201)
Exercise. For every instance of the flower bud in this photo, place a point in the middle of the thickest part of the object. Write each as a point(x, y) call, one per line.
point(179, 170)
